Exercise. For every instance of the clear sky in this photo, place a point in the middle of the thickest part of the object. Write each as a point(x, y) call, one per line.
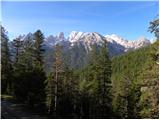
point(126, 19)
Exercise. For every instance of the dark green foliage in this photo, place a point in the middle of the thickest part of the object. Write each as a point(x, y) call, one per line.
point(154, 27)
point(17, 45)
point(38, 49)
point(130, 73)
point(30, 87)
point(67, 95)
point(149, 80)
point(6, 68)
point(60, 88)
point(104, 81)
point(86, 99)
point(135, 81)
point(54, 82)
point(29, 75)
point(95, 85)
point(125, 70)
point(49, 93)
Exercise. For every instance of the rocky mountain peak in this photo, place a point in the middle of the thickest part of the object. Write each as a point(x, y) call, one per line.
point(61, 36)
point(116, 44)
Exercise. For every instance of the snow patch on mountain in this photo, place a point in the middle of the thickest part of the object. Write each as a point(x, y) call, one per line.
point(85, 38)
point(128, 45)
point(116, 44)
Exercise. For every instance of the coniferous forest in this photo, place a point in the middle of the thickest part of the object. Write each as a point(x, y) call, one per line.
point(124, 86)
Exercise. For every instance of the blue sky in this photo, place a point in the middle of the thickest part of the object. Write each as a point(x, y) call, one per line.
point(127, 19)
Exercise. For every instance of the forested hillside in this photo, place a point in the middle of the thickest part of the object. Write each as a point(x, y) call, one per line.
point(135, 83)
point(124, 86)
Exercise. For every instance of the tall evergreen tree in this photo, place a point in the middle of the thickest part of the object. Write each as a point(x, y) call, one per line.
point(55, 81)
point(38, 81)
point(29, 74)
point(100, 75)
point(17, 44)
point(67, 96)
point(39, 38)
point(27, 56)
point(18, 68)
point(104, 81)
point(6, 68)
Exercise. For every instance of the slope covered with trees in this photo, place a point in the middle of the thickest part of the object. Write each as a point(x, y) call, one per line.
point(132, 75)
point(125, 86)
point(135, 80)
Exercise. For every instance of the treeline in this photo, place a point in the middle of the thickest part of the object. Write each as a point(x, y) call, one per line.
point(22, 71)
point(135, 83)
point(122, 87)
point(63, 93)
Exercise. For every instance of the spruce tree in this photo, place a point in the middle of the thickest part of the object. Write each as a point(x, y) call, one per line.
point(37, 90)
point(67, 95)
point(18, 68)
point(38, 47)
point(100, 75)
point(6, 68)
point(17, 45)
point(104, 81)
point(28, 72)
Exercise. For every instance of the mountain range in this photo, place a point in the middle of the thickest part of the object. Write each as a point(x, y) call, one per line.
point(78, 44)
point(116, 44)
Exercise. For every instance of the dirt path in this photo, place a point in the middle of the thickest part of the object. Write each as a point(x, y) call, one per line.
point(16, 111)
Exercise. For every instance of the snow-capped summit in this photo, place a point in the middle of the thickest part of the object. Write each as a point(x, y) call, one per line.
point(141, 41)
point(85, 38)
point(115, 37)
point(128, 45)
point(75, 36)
point(116, 44)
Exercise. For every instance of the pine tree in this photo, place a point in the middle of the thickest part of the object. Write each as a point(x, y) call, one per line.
point(28, 72)
point(39, 38)
point(67, 95)
point(18, 69)
point(154, 27)
point(57, 74)
point(100, 77)
point(37, 81)
point(87, 87)
point(6, 68)
point(27, 56)
point(50, 93)
point(104, 81)
point(17, 44)
point(55, 81)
